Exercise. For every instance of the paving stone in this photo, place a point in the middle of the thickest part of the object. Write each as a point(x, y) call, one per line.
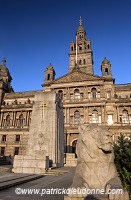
point(47, 182)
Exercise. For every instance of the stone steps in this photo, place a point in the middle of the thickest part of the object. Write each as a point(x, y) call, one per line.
point(55, 172)
point(4, 162)
point(18, 180)
point(5, 169)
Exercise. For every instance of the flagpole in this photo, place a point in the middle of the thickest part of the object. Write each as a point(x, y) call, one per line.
point(76, 49)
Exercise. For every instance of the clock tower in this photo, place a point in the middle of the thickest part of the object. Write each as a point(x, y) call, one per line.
point(81, 52)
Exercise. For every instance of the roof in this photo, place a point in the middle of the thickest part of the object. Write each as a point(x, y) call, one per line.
point(76, 75)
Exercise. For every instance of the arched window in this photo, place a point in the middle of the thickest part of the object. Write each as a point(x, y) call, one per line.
point(60, 92)
point(79, 62)
point(71, 48)
point(48, 77)
point(84, 61)
point(80, 48)
point(76, 94)
point(125, 117)
point(94, 116)
point(76, 117)
point(106, 71)
point(93, 90)
point(8, 121)
point(21, 121)
point(88, 46)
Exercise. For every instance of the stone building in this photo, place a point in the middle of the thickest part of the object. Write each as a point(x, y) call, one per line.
point(87, 98)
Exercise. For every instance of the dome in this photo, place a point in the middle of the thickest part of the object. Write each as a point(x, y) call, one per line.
point(105, 61)
point(50, 67)
point(3, 66)
point(80, 27)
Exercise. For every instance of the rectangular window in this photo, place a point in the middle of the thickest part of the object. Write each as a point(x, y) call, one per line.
point(110, 119)
point(120, 117)
point(17, 139)
point(3, 138)
point(125, 118)
point(16, 151)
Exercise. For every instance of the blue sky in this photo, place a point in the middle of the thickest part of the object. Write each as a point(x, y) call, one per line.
point(35, 33)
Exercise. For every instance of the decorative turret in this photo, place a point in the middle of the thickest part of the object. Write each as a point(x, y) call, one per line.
point(106, 68)
point(49, 74)
point(80, 51)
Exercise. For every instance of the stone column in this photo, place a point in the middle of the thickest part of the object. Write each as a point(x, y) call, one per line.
point(65, 115)
point(115, 115)
point(101, 91)
point(87, 114)
point(13, 119)
point(68, 120)
point(85, 93)
point(26, 115)
point(1, 119)
point(84, 114)
point(104, 111)
point(68, 93)
point(68, 142)
point(118, 118)
point(102, 116)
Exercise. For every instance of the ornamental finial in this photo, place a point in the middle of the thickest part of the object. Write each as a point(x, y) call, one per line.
point(4, 61)
point(80, 21)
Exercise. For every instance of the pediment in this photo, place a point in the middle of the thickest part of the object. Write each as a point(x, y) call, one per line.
point(77, 76)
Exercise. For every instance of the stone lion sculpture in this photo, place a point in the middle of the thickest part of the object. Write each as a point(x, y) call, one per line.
point(95, 166)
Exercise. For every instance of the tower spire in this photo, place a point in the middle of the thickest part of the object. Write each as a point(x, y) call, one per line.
point(80, 21)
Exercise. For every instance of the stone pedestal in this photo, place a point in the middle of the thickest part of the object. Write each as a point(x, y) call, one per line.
point(71, 160)
point(45, 136)
point(29, 164)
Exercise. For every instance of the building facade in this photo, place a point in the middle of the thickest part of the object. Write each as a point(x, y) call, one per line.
point(87, 98)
